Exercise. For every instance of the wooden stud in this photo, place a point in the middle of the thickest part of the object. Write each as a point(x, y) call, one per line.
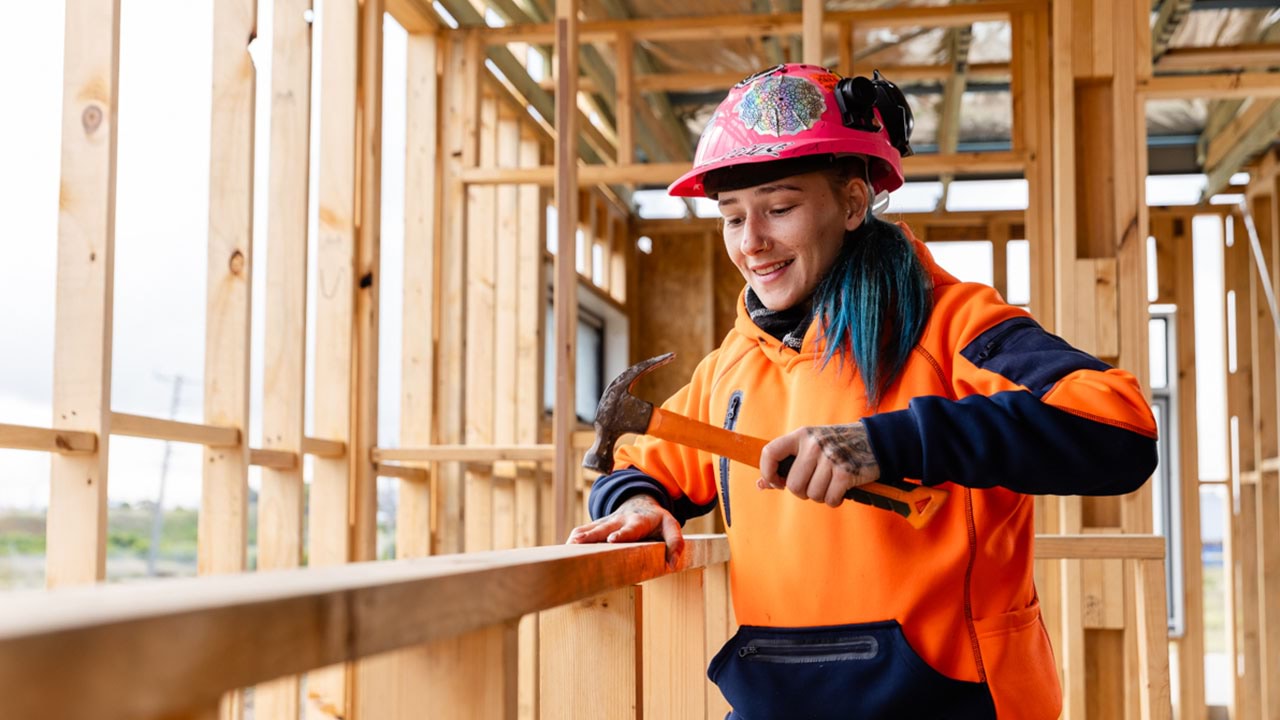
point(368, 253)
point(471, 675)
point(1238, 85)
point(223, 520)
point(625, 113)
point(566, 282)
point(844, 46)
point(1199, 59)
point(674, 646)
point(965, 163)
point(460, 119)
point(999, 234)
point(421, 241)
point(173, 430)
point(1248, 687)
point(77, 520)
point(280, 501)
point(67, 442)
point(1191, 646)
point(595, 638)
point(506, 341)
point(812, 31)
point(1153, 638)
point(480, 341)
point(758, 25)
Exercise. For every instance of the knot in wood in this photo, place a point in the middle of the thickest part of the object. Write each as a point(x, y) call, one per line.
point(91, 118)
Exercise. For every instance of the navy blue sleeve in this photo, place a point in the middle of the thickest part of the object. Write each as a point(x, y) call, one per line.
point(610, 491)
point(1011, 438)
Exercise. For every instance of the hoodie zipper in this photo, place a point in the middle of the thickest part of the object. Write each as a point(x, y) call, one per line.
point(730, 422)
point(791, 652)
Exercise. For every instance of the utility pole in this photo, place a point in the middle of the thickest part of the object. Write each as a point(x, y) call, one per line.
point(157, 512)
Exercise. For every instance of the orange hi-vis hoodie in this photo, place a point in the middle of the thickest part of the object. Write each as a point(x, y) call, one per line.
point(849, 612)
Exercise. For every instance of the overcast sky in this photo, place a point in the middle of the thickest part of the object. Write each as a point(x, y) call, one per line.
point(161, 233)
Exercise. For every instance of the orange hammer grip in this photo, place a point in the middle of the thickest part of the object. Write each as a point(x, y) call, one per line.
point(917, 503)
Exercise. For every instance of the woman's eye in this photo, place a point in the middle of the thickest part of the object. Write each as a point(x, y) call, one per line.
point(732, 222)
point(782, 210)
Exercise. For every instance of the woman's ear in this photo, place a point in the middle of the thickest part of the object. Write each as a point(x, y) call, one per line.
point(856, 200)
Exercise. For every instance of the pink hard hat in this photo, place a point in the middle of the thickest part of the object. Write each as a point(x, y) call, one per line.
point(793, 111)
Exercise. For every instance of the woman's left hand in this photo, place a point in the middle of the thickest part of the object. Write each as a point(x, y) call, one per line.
point(830, 459)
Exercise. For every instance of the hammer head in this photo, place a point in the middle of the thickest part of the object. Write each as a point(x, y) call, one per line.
point(619, 413)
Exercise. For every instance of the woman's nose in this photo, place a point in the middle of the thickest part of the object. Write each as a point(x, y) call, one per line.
point(754, 238)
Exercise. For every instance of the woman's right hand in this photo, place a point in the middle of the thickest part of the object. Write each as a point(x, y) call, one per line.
point(639, 518)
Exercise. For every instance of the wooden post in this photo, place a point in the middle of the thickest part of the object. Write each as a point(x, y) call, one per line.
point(1241, 607)
point(674, 646)
point(625, 111)
point(481, 264)
point(505, 331)
point(566, 280)
point(594, 638)
point(223, 532)
point(1266, 445)
point(812, 20)
point(77, 524)
point(421, 286)
point(720, 627)
point(999, 234)
point(1191, 701)
point(468, 676)
point(281, 498)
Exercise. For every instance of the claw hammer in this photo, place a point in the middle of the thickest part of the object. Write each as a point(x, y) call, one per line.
point(620, 412)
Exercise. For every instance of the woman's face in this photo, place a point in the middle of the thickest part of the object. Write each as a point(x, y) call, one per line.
point(785, 234)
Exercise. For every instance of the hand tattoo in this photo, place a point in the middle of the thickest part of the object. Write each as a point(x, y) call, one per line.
point(847, 446)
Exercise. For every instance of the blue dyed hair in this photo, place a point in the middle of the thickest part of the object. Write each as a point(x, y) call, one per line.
point(873, 304)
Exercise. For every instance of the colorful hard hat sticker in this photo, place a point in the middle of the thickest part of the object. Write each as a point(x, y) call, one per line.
point(781, 105)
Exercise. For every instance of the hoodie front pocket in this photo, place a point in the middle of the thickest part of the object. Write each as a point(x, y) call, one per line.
point(866, 671)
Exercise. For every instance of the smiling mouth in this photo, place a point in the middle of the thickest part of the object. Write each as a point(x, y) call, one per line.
point(771, 269)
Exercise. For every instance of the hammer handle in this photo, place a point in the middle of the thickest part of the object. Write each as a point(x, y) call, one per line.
point(917, 503)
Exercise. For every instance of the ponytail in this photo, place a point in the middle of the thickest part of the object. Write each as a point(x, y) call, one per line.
point(873, 305)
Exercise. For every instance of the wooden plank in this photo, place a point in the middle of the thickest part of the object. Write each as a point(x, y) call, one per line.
point(173, 430)
point(1153, 638)
point(710, 81)
point(280, 500)
point(421, 284)
point(1251, 131)
point(1191, 646)
point(592, 639)
point(673, 650)
point(1248, 687)
point(624, 49)
point(467, 453)
point(329, 504)
point(70, 442)
point(77, 520)
point(1218, 86)
point(719, 628)
point(223, 520)
point(531, 303)
point(1101, 547)
point(274, 459)
point(480, 341)
point(324, 448)
point(471, 676)
point(459, 121)
point(565, 299)
point(1266, 443)
point(999, 234)
point(368, 254)
point(966, 163)
point(417, 477)
point(415, 16)
point(506, 340)
point(1214, 57)
point(157, 649)
point(746, 25)
point(811, 14)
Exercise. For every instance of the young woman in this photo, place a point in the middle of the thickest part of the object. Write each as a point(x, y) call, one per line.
point(869, 362)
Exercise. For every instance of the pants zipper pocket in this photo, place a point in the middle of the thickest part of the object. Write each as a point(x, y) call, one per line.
point(787, 652)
